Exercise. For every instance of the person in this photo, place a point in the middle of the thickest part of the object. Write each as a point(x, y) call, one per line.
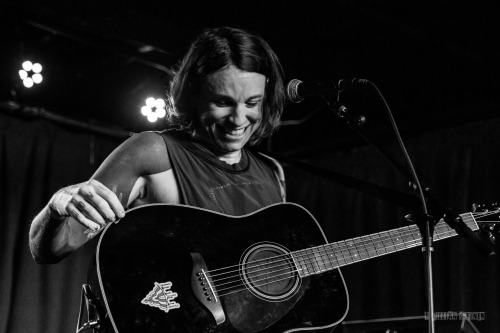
point(226, 96)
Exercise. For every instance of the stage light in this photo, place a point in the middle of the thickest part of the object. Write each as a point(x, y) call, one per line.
point(145, 110)
point(23, 74)
point(150, 102)
point(30, 74)
point(27, 65)
point(37, 68)
point(28, 82)
point(152, 117)
point(37, 78)
point(154, 109)
point(161, 113)
point(159, 103)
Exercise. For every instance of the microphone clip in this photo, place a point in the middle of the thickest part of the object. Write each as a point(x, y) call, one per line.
point(352, 120)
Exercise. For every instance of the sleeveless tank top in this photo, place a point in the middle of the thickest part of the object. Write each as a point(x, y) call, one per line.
point(207, 182)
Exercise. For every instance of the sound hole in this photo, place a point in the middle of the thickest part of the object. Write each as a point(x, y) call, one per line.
point(269, 271)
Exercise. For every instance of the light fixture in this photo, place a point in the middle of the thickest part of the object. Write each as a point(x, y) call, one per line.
point(154, 109)
point(31, 73)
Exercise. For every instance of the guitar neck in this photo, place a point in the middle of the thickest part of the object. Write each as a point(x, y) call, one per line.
point(327, 257)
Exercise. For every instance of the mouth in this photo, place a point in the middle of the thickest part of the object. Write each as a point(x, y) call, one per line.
point(233, 134)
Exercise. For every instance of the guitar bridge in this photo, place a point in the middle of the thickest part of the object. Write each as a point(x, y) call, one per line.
point(204, 290)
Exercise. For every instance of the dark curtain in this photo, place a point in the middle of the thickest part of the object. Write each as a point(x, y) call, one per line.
point(37, 158)
point(460, 164)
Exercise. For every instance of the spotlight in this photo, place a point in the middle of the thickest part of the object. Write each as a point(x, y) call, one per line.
point(30, 74)
point(28, 82)
point(161, 112)
point(154, 109)
point(152, 117)
point(27, 65)
point(150, 102)
point(37, 68)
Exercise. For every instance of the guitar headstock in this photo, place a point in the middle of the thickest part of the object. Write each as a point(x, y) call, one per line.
point(488, 218)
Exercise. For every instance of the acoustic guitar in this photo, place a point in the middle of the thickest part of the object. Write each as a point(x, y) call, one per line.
point(170, 268)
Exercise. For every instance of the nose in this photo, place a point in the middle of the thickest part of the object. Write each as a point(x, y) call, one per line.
point(238, 115)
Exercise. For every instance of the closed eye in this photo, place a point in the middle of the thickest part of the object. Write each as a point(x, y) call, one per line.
point(223, 103)
point(253, 103)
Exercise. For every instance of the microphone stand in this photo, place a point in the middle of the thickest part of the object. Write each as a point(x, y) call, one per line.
point(355, 122)
point(425, 221)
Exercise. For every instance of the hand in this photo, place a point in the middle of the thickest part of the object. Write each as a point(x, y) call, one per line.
point(90, 203)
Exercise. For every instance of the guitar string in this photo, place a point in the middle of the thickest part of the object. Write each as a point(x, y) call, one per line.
point(412, 243)
point(321, 263)
point(322, 256)
point(344, 245)
point(323, 253)
point(346, 258)
point(415, 243)
point(312, 251)
point(246, 285)
point(407, 227)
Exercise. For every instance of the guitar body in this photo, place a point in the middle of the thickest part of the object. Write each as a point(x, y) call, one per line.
point(171, 268)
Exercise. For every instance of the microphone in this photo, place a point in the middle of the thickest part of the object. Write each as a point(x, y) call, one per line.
point(296, 90)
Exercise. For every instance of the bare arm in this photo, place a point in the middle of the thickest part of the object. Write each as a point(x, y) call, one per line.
point(60, 228)
point(75, 213)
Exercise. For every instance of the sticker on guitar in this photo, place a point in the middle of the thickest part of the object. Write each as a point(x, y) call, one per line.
point(162, 297)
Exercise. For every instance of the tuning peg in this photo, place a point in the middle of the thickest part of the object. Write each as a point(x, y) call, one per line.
point(488, 236)
point(493, 206)
point(477, 207)
point(492, 238)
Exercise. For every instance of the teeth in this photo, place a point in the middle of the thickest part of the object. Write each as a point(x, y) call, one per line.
point(236, 132)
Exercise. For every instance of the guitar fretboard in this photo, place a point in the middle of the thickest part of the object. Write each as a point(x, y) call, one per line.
point(323, 258)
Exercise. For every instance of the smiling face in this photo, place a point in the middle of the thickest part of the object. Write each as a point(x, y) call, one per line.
point(230, 109)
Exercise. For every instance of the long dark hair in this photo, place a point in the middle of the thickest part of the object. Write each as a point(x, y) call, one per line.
point(217, 49)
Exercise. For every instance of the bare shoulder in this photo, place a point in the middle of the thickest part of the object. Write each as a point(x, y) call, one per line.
point(142, 154)
point(146, 140)
point(150, 150)
point(156, 181)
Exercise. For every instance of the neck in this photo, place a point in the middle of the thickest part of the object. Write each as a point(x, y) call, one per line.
point(323, 258)
point(231, 157)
